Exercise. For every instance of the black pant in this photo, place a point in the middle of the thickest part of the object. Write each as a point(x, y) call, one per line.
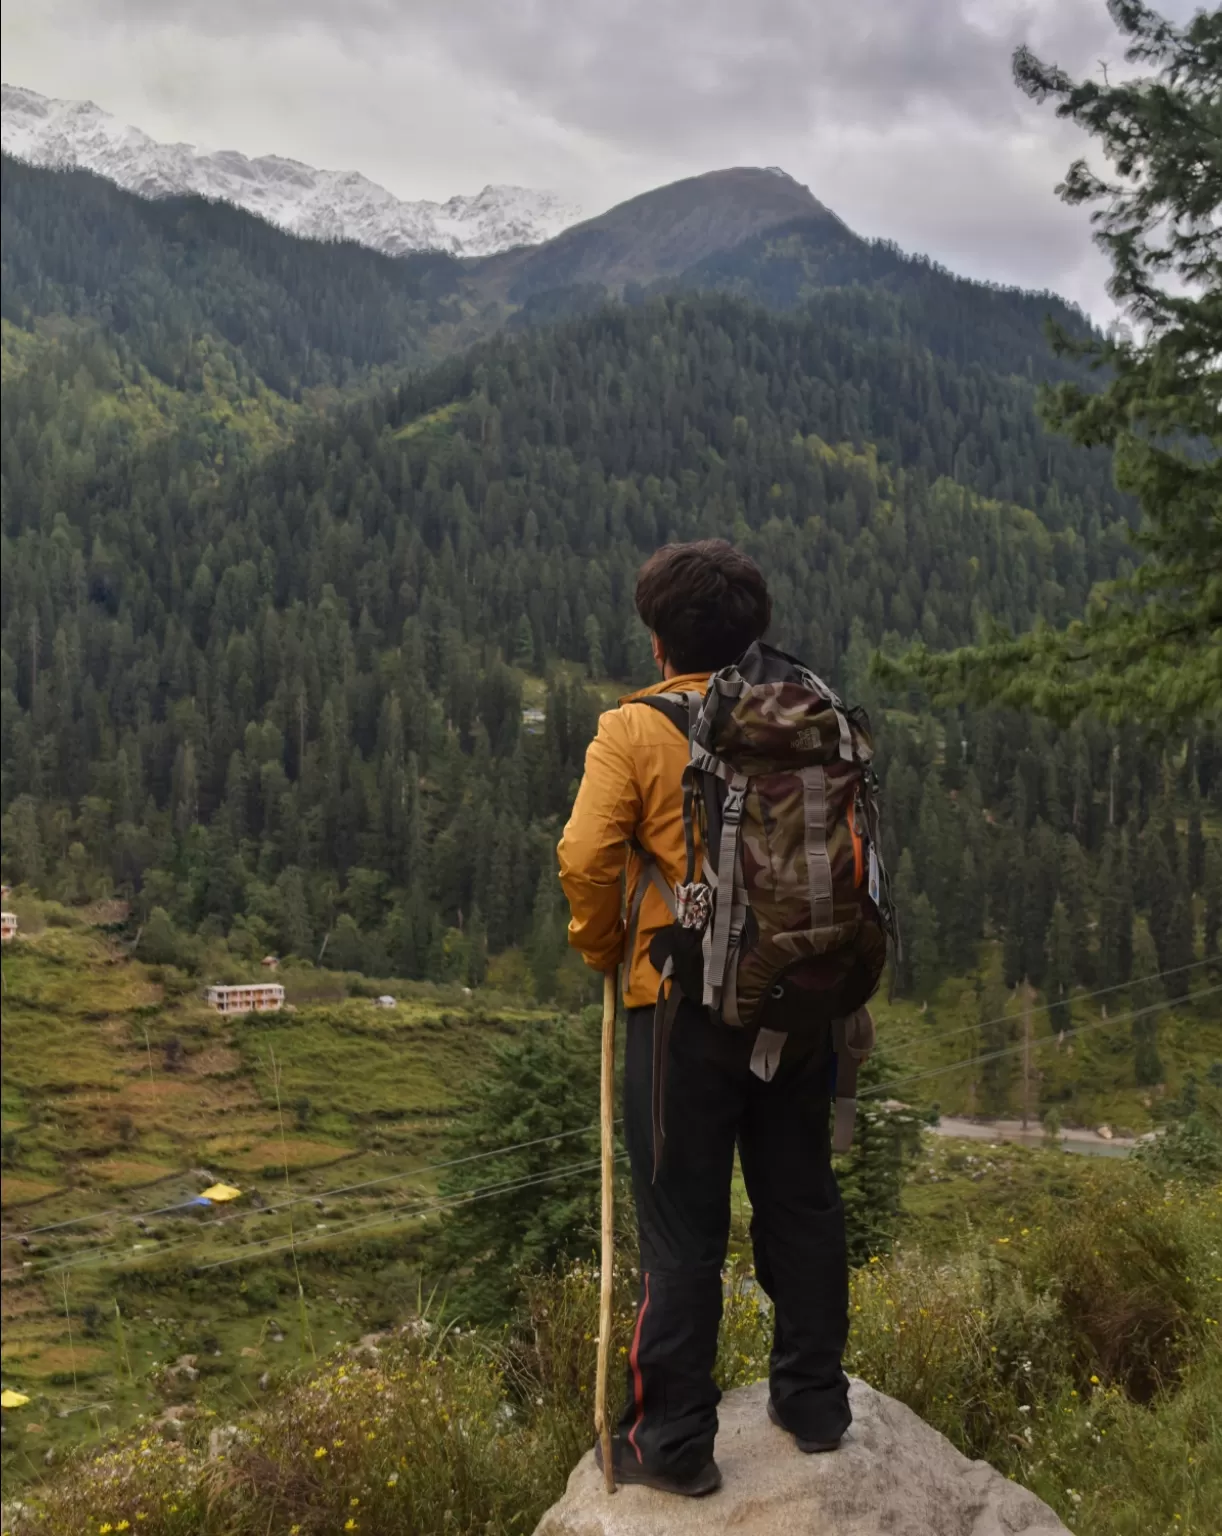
point(797, 1233)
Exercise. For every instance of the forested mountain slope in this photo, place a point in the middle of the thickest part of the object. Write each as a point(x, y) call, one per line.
point(284, 697)
point(1001, 329)
point(159, 276)
point(266, 650)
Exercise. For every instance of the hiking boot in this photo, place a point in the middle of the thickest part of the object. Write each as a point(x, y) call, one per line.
point(629, 1470)
point(807, 1447)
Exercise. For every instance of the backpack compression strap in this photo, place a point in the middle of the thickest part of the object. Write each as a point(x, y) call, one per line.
point(852, 1040)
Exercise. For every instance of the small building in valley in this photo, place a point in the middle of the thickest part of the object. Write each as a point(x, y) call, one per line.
point(270, 962)
point(8, 927)
point(385, 1001)
point(258, 997)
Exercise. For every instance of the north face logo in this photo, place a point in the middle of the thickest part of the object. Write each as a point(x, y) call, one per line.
point(808, 740)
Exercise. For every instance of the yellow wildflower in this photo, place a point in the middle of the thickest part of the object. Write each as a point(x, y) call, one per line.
point(320, 1453)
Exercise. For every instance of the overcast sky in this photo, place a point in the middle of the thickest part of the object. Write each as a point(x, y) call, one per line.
point(899, 114)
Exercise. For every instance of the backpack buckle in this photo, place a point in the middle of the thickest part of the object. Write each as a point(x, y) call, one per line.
point(732, 807)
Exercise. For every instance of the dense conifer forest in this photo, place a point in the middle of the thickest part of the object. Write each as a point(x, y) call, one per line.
point(316, 671)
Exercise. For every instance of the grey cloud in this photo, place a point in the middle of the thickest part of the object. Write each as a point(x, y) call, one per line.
point(690, 71)
point(900, 114)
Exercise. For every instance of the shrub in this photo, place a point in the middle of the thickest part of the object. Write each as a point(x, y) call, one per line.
point(1190, 1149)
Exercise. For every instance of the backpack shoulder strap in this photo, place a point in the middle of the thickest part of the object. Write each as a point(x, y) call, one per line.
point(682, 710)
point(675, 706)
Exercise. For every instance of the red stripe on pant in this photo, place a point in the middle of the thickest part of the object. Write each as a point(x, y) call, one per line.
point(634, 1361)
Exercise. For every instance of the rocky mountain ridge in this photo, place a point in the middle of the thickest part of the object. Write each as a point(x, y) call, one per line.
point(315, 204)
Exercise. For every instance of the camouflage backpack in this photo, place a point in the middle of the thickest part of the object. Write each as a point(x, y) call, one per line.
point(786, 928)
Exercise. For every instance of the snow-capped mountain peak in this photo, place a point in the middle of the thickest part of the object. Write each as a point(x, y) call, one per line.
point(318, 205)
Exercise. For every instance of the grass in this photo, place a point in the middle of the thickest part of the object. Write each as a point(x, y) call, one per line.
point(361, 1063)
point(101, 1123)
point(16, 1190)
point(129, 1172)
point(958, 1188)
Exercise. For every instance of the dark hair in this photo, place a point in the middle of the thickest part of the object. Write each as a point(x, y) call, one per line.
point(706, 602)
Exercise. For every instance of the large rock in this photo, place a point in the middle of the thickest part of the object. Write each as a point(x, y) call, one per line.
point(892, 1476)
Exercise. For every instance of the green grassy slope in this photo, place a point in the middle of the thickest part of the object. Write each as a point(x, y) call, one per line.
point(104, 1128)
point(107, 1123)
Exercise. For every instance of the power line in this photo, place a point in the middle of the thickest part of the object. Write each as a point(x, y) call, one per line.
point(415, 1173)
point(1011, 1050)
point(1075, 998)
point(342, 1189)
point(82, 1259)
point(76, 1221)
point(107, 1259)
point(452, 1203)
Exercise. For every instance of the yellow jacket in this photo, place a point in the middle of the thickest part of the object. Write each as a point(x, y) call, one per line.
point(632, 787)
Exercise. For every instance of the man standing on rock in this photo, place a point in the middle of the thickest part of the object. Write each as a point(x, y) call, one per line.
point(704, 604)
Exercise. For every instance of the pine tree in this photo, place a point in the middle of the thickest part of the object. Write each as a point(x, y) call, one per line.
point(477, 949)
point(1074, 887)
point(414, 933)
point(499, 888)
point(1115, 914)
point(160, 942)
point(1153, 649)
point(222, 876)
point(966, 915)
point(937, 847)
point(1013, 955)
point(954, 765)
point(1179, 947)
point(544, 1085)
point(345, 948)
point(871, 1175)
point(1212, 891)
point(1144, 999)
point(1162, 890)
point(1039, 894)
point(23, 852)
point(906, 896)
point(595, 665)
point(1059, 980)
point(545, 948)
point(922, 938)
point(524, 644)
point(1195, 851)
point(296, 933)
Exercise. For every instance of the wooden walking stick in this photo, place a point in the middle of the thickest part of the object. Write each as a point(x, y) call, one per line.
point(607, 1126)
